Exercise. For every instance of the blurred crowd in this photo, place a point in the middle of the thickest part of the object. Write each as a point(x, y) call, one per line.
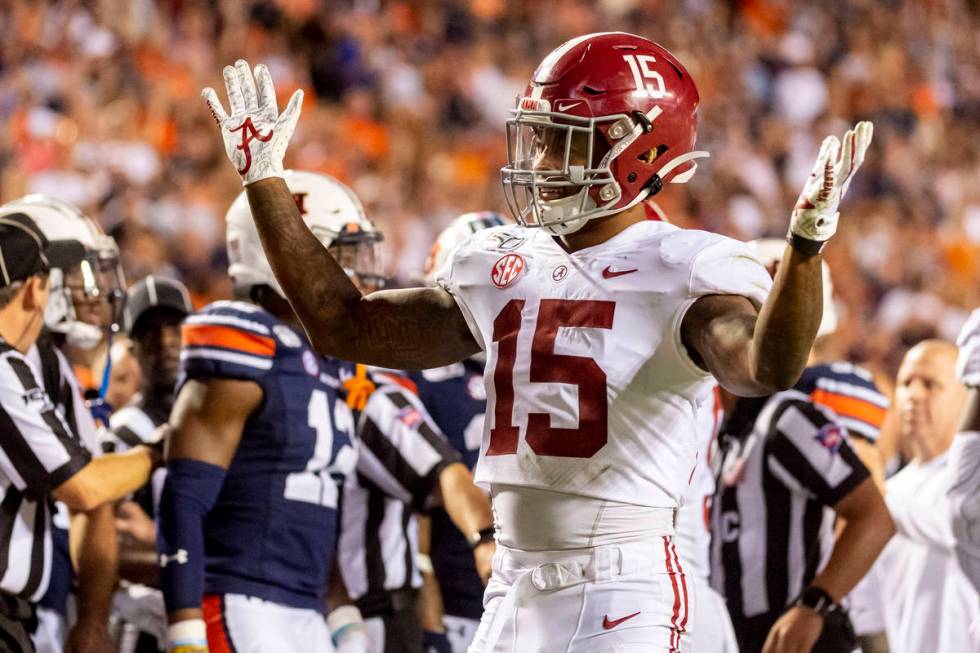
point(406, 102)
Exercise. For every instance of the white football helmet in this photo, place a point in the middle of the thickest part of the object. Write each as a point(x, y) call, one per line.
point(458, 230)
point(769, 252)
point(87, 300)
point(334, 215)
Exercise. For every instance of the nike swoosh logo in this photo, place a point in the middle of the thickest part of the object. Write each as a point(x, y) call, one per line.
point(609, 624)
point(609, 273)
point(566, 107)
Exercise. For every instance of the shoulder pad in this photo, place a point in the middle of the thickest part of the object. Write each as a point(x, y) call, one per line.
point(228, 339)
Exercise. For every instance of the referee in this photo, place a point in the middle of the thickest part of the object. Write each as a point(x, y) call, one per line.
point(785, 470)
point(40, 460)
point(404, 465)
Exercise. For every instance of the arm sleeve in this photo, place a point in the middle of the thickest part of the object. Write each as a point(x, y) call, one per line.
point(813, 451)
point(189, 492)
point(226, 343)
point(402, 451)
point(37, 451)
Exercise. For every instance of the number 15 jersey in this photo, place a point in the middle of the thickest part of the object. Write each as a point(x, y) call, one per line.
point(590, 390)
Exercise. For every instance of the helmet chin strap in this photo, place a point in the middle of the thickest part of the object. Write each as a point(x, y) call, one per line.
point(82, 335)
point(570, 206)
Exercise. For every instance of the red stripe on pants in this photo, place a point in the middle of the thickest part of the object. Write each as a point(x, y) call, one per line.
point(219, 641)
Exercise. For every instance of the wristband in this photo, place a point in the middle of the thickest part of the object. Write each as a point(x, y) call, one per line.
point(805, 245)
point(816, 599)
point(189, 635)
point(344, 620)
point(481, 536)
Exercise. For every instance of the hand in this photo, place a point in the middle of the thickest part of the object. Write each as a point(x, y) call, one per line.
point(795, 632)
point(255, 134)
point(483, 555)
point(814, 218)
point(968, 361)
point(133, 522)
point(88, 636)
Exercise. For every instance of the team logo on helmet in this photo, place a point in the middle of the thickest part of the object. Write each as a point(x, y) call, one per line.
point(506, 270)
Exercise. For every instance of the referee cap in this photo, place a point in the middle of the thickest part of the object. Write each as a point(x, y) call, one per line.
point(154, 293)
point(25, 251)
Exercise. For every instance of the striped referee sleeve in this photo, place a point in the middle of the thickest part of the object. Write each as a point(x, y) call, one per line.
point(37, 450)
point(808, 451)
point(401, 450)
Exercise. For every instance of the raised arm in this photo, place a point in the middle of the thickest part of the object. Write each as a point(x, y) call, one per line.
point(416, 328)
point(405, 329)
point(754, 353)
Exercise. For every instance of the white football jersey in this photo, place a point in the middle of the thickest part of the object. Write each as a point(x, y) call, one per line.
point(590, 390)
point(691, 530)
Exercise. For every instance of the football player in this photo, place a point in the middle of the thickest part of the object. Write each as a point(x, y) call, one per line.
point(455, 397)
point(602, 330)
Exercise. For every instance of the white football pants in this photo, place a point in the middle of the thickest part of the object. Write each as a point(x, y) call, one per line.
point(245, 624)
point(460, 632)
point(713, 632)
point(627, 598)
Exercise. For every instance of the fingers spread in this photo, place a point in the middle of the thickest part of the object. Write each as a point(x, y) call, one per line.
point(266, 89)
point(214, 105)
point(247, 83)
point(291, 113)
point(236, 101)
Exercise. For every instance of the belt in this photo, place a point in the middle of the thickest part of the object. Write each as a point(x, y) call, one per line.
point(383, 604)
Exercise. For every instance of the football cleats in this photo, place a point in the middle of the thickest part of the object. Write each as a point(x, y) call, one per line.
point(458, 230)
point(606, 120)
point(769, 252)
point(87, 299)
point(334, 215)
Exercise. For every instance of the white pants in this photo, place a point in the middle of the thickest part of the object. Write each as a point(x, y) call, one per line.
point(712, 625)
point(245, 624)
point(51, 631)
point(460, 632)
point(623, 598)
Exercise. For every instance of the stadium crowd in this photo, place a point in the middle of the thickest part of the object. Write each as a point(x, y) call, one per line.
point(406, 100)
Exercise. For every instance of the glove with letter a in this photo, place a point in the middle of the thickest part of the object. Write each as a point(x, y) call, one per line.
point(814, 219)
point(255, 133)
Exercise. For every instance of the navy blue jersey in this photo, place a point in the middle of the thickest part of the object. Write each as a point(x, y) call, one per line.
point(456, 399)
point(273, 530)
point(850, 392)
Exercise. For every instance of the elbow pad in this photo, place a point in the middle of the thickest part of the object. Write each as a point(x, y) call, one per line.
point(189, 492)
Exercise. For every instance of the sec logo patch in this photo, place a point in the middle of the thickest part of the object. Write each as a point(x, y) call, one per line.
point(506, 270)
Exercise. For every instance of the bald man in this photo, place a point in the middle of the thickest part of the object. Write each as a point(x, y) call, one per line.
point(928, 601)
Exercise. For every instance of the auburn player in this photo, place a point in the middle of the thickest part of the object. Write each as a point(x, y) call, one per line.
point(602, 330)
point(259, 446)
point(456, 398)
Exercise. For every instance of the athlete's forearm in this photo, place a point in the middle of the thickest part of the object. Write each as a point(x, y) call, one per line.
point(867, 528)
point(95, 555)
point(788, 322)
point(405, 329)
point(107, 479)
point(465, 503)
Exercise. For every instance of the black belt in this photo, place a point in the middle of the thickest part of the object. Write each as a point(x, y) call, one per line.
point(18, 609)
point(382, 604)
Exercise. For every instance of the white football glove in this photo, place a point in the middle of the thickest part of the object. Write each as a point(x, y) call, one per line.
point(968, 360)
point(255, 134)
point(814, 219)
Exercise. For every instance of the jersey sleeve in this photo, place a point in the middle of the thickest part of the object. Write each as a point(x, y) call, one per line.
point(401, 450)
point(456, 277)
point(727, 267)
point(809, 452)
point(226, 340)
point(851, 393)
point(80, 415)
point(37, 451)
point(128, 427)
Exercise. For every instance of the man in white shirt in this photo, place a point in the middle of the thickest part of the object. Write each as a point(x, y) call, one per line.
point(928, 601)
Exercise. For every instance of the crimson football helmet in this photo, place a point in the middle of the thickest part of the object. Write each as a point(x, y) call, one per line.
point(607, 119)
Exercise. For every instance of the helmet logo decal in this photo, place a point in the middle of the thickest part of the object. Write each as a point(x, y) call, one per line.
point(249, 134)
point(506, 270)
point(300, 199)
point(646, 79)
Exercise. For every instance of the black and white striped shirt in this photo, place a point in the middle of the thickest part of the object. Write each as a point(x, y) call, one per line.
point(783, 465)
point(40, 449)
point(401, 453)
